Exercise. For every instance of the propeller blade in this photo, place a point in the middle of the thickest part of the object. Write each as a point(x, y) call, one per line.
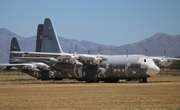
point(98, 51)
point(75, 49)
point(145, 52)
point(127, 53)
point(164, 52)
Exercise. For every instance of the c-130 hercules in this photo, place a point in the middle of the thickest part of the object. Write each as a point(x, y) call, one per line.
point(33, 69)
point(90, 68)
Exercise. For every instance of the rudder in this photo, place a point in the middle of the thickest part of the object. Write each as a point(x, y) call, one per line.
point(14, 47)
point(50, 42)
point(39, 37)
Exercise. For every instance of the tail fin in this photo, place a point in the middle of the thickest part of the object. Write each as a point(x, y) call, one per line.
point(14, 47)
point(50, 42)
point(39, 37)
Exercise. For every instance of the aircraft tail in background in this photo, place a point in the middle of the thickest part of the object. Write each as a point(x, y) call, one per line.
point(14, 47)
point(39, 37)
point(50, 42)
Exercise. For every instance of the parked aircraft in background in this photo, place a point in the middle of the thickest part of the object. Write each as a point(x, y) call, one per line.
point(52, 74)
point(161, 61)
point(34, 69)
point(31, 68)
point(91, 68)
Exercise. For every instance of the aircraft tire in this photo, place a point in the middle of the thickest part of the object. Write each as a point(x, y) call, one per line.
point(143, 80)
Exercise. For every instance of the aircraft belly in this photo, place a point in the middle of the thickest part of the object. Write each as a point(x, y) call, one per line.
point(31, 73)
point(71, 70)
point(143, 73)
point(115, 68)
point(132, 73)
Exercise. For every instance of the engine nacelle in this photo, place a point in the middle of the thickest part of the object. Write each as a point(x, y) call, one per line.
point(53, 60)
point(62, 65)
point(30, 67)
point(43, 67)
point(92, 60)
point(68, 58)
point(161, 62)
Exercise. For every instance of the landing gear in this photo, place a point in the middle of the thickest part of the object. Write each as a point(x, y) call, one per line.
point(44, 74)
point(92, 81)
point(143, 80)
point(112, 81)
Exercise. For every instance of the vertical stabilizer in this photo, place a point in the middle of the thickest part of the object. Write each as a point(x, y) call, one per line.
point(39, 37)
point(14, 47)
point(50, 42)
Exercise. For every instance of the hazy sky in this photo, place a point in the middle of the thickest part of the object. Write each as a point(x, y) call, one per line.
point(111, 22)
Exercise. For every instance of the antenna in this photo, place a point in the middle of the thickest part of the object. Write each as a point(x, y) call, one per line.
point(142, 51)
point(127, 53)
point(98, 51)
point(164, 52)
point(98, 65)
point(75, 49)
point(145, 52)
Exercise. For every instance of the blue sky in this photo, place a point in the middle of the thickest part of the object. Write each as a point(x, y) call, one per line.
point(110, 22)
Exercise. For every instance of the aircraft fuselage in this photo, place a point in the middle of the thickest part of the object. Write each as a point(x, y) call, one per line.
point(116, 67)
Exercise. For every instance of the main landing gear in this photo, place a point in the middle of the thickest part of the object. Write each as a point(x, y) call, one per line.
point(143, 80)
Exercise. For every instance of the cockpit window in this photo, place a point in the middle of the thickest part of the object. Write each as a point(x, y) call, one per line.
point(144, 60)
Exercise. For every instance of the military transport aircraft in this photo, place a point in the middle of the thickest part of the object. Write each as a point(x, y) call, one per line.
point(91, 68)
point(34, 69)
point(31, 68)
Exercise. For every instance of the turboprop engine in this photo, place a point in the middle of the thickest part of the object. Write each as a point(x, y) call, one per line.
point(30, 67)
point(42, 67)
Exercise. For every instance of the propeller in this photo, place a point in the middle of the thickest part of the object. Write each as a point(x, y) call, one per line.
point(127, 53)
point(74, 57)
point(145, 52)
point(91, 59)
point(164, 52)
point(98, 58)
point(69, 58)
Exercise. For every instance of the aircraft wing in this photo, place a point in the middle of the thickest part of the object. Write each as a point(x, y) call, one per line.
point(36, 59)
point(164, 58)
point(173, 58)
point(22, 64)
point(91, 59)
point(64, 57)
point(161, 61)
point(30, 65)
point(37, 53)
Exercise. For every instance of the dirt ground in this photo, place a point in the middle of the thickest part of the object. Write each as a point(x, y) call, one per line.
point(20, 92)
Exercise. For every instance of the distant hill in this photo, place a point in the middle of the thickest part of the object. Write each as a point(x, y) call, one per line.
point(154, 45)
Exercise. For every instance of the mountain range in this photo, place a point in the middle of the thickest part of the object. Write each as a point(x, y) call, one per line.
point(154, 45)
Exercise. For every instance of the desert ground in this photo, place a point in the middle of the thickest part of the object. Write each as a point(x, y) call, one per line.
point(21, 92)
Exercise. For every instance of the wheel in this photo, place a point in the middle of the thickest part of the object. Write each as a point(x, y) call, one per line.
point(143, 80)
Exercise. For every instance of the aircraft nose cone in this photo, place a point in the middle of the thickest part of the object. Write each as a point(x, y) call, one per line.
point(153, 70)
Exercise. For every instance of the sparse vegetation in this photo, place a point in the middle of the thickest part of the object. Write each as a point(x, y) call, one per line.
point(175, 65)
